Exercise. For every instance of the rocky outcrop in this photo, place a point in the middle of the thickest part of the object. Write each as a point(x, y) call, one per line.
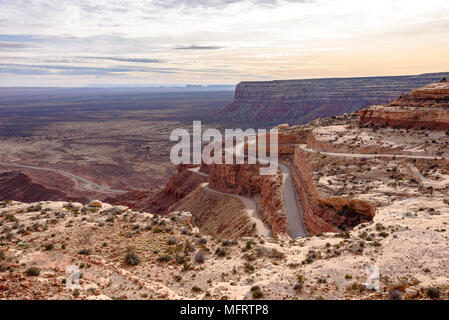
point(424, 108)
point(267, 104)
point(216, 214)
point(321, 213)
point(245, 180)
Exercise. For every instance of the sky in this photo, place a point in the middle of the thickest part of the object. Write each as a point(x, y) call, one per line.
point(168, 42)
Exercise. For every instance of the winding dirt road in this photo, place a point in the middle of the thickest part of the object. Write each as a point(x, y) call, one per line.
point(250, 205)
point(90, 185)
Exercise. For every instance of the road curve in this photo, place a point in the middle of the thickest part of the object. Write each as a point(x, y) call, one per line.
point(250, 205)
point(67, 174)
point(296, 227)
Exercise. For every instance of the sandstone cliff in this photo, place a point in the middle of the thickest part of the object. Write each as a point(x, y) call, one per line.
point(427, 107)
point(267, 104)
point(320, 212)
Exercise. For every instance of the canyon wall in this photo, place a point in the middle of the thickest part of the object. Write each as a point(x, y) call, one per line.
point(320, 213)
point(424, 108)
point(245, 180)
point(269, 103)
point(215, 214)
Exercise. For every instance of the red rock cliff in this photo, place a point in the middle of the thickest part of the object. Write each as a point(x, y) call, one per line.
point(323, 214)
point(424, 108)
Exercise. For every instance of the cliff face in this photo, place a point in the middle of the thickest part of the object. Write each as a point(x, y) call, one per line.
point(267, 104)
point(245, 180)
point(216, 215)
point(321, 213)
point(427, 107)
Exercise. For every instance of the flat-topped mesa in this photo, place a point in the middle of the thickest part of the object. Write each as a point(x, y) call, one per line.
point(265, 104)
point(424, 108)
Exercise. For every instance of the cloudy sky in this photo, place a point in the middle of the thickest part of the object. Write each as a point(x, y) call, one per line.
point(76, 43)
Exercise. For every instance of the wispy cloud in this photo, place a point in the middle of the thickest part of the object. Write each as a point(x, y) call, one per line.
point(211, 41)
point(195, 47)
point(120, 59)
point(14, 45)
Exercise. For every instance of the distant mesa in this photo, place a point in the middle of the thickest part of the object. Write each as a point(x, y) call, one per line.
point(269, 103)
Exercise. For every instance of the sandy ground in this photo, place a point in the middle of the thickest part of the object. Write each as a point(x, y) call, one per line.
point(409, 253)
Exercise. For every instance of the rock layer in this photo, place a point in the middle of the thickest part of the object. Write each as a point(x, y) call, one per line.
point(267, 104)
point(427, 107)
point(321, 213)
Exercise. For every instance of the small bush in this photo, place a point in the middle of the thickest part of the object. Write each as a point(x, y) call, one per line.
point(85, 252)
point(3, 268)
point(249, 267)
point(433, 293)
point(200, 257)
point(11, 218)
point(297, 287)
point(33, 272)
point(164, 258)
point(172, 241)
point(196, 289)
point(257, 292)
point(2, 255)
point(132, 258)
point(221, 252)
point(49, 246)
point(178, 278)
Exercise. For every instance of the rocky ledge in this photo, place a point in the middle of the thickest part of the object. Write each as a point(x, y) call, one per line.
point(426, 108)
